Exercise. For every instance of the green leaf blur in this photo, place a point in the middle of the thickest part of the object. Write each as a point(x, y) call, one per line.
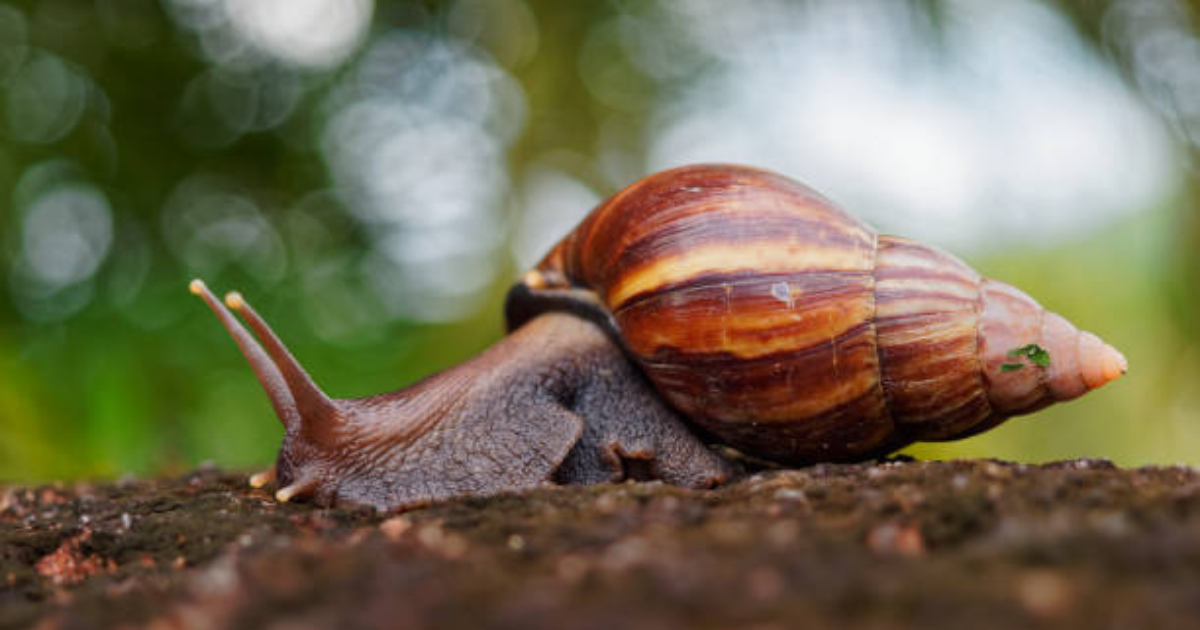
point(373, 175)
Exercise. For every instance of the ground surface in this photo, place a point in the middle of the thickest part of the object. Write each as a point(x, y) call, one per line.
point(900, 544)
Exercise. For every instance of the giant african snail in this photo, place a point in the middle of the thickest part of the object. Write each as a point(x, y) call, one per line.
point(769, 319)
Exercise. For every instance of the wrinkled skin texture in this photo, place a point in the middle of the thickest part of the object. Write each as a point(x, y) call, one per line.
point(569, 408)
point(555, 401)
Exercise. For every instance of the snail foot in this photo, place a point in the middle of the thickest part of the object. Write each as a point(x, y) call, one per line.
point(631, 434)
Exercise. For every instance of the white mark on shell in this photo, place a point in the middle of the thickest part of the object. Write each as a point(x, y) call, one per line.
point(782, 291)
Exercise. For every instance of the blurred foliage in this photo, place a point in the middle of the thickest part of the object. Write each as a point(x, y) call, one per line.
point(371, 176)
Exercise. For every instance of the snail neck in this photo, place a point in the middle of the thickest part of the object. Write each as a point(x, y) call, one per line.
point(511, 418)
point(531, 297)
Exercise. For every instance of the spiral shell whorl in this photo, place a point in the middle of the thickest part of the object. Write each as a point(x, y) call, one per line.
point(792, 331)
point(748, 300)
point(1079, 361)
point(926, 314)
point(944, 333)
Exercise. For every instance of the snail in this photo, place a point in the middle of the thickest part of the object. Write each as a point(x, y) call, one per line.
point(708, 303)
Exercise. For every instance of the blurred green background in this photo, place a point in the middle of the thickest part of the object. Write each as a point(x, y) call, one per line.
point(372, 175)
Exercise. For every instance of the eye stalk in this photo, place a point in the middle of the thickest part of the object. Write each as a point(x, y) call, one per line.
point(268, 373)
point(311, 403)
point(300, 405)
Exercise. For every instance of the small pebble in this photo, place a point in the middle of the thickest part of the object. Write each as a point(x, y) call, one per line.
point(395, 527)
point(764, 584)
point(782, 533)
point(791, 494)
point(450, 545)
point(904, 540)
point(571, 568)
point(1044, 593)
point(625, 554)
point(607, 503)
point(1113, 524)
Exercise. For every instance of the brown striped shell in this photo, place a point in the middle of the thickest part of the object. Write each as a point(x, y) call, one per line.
point(792, 331)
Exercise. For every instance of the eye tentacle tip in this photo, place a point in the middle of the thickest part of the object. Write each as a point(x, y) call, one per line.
point(235, 301)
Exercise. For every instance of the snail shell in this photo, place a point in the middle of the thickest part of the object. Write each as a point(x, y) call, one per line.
point(790, 330)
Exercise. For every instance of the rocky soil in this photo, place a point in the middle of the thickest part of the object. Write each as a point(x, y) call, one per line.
point(975, 544)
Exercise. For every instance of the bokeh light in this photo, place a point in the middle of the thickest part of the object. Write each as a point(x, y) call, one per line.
point(373, 175)
point(304, 32)
point(1001, 129)
point(416, 142)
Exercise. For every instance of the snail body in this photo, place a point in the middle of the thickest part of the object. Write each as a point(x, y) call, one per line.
point(719, 298)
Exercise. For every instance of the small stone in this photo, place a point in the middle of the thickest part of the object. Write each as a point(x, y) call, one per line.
point(1044, 593)
point(8, 500)
point(394, 528)
point(68, 564)
point(516, 542)
point(455, 546)
point(607, 504)
point(357, 536)
point(450, 545)
point(571, 568)
point(782, 533)
point(731, 532)
point(430, 536)
point(1112, 524)
point(764, 584)
point(791, 494)
point(903, 540)
point(50, 496)
point(788, 500)
point(625, 554)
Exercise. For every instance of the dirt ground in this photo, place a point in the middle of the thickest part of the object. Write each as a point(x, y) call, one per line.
point(975, 544)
